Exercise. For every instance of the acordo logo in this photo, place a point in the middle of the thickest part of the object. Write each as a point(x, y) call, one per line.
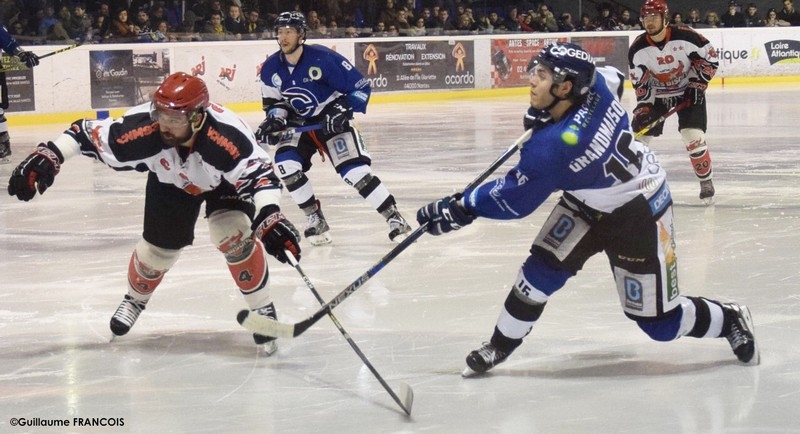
point(378, 82)
point(456, 79)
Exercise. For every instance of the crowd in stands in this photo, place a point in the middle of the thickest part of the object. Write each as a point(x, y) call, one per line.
point(116, 21)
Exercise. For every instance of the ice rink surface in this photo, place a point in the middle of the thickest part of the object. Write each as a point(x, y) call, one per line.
point(188, 367)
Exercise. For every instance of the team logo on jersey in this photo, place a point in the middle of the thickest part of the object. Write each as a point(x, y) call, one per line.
point(302, 100)
point(633, 294)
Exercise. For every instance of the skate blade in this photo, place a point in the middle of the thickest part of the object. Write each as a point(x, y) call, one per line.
point(320, 240)
point(469, 373)
point(399, 238)
point(5, 160)
point(708, 201)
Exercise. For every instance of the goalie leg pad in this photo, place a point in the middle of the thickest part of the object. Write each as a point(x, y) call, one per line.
point(147, 267)
point(230, 232)
point(696, 146)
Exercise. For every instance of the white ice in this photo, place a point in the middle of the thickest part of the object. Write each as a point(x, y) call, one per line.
point(187, 366)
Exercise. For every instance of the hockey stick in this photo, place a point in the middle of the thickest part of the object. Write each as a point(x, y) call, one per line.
point(295, 130)
point(18, 66)
point(405, 390)
point(663, 117)
point(269, 327)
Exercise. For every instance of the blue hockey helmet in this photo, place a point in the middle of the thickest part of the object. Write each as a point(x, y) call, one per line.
point(569, 62)
point(291, 19)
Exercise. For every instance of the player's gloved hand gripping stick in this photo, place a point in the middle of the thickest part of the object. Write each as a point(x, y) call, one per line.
point(270, 327)
point(663, 117)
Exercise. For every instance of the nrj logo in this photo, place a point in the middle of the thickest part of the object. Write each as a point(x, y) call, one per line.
point(200, 68)
point(227, 73)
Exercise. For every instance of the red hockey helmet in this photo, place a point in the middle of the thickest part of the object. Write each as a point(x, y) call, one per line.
point(181, 92)
point(654, 7)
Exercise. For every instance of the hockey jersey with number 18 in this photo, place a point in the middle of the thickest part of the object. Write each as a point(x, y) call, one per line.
point(590, 154)
point(224, 151)
point(319, 77)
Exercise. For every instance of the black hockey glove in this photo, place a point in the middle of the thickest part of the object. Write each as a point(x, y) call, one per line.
point(36, 172)
point(337, 114)
point(695, 92)
point(535, 119)
point(29, 58)
point(274, 123)
point(444, 215)
point(277, 233)
point(643, 115)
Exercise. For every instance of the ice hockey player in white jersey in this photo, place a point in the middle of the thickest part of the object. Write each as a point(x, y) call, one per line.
point(669, 65)
point(312, 84)
point(194, 152)
point(615, 200)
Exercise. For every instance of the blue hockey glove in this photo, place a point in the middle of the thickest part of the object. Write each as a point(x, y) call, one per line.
point(444, 215)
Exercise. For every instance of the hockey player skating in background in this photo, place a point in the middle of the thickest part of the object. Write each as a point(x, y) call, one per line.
point(615, 199)
point(669, 65)
point(30, 59)
point(312, 84)
point(195, 152)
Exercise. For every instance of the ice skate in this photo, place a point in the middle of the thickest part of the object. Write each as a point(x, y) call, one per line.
point(5, 148)
point(483, 359)
point(741, 335)
point(266, 344)
point(317, 231)
point(126, 315)
point(707, 191)
point(398, 227)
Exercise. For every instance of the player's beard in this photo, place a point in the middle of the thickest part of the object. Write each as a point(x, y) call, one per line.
point(173, 140)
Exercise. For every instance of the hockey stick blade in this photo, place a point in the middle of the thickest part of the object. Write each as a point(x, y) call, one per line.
point(663, 117)
point(406, 398)
point(270, 327)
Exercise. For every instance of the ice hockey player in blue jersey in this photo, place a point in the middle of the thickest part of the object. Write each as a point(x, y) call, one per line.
point(29, 59)
point(615, 199)
point(311, 84)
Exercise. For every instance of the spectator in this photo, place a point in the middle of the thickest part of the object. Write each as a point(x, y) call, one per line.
point(466, 26)
point(254, 27)
point(379, 29)
point(694, 19)
point(162, 32)
point(64, 20)
point(101, 28)
point(547, 19)
point(732, 18)
point(142, 23)
point(565, 23)
point(788, 16)
point(751, 17)
point(512, 22)
point(234, 23)
point(586, 24)
point(213, 30)
point(388, 13)
point(122, 30)
point(677, 19)
point(443, 26)
point(627, 22)
point(419, 28)
point(771, 20)
point(350, 32)
point(17, 29)
point(495, 23)
point(712, 19)
point(403, 26)
point(606, 20)
point(79, 25)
